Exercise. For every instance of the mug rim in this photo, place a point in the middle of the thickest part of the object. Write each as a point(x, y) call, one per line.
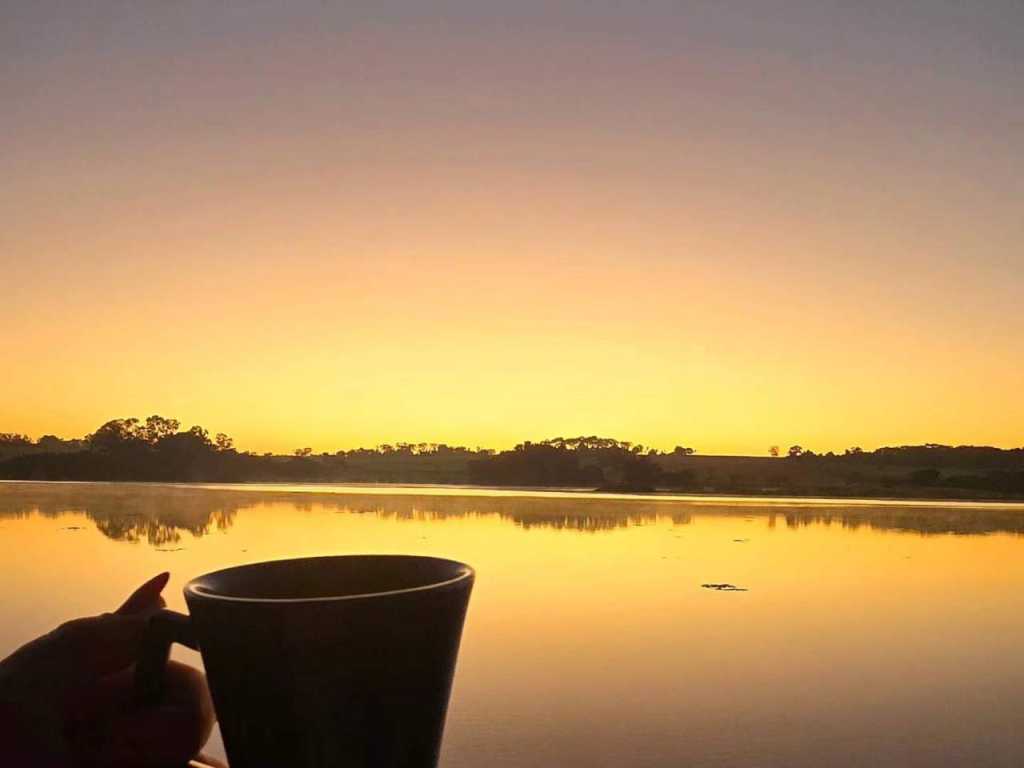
point(195, 587)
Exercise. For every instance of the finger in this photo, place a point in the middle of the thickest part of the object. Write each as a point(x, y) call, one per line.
point(97, 646)
point(147, 597)
point(110, 731)
point(160, 737)
point(203, 760)
point(184, 688)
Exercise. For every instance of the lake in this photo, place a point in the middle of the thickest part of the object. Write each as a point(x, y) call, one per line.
point(869, 634)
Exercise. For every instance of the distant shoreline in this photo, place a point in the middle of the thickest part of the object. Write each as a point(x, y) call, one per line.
point(156, 451)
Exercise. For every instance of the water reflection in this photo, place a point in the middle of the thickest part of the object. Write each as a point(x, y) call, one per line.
point(862, 639)
point(125, 512)
point(160, 514)
point(924, 520)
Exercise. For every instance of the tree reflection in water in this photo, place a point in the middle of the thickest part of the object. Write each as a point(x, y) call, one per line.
point(160, 515)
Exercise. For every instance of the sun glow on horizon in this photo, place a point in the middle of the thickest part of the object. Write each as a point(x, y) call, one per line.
point(340, 227)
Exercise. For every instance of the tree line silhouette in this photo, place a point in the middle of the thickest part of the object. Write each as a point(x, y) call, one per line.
point(599, 462)
point(158, 449)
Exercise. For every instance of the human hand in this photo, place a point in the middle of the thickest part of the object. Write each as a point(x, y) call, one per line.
point(66, 697)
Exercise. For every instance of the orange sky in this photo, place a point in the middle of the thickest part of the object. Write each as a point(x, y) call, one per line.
point(693, 224)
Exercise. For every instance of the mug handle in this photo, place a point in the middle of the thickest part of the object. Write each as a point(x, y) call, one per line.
point(163, 628)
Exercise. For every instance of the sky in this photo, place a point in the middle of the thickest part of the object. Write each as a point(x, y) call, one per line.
point(726, 225)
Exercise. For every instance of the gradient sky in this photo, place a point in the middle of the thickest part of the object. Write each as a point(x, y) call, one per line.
point(721, 224)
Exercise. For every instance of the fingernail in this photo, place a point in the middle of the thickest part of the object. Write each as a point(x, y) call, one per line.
point(160, 579)
point(145, 596)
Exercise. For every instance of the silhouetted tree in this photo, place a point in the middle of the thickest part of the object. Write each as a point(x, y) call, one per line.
point(156, 428)
point(50, 444)
point(113, 435)
point(569, 462)
point(14, 438)
point(14, 444)
point(200, 435)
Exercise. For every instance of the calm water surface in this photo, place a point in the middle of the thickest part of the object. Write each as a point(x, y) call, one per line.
point(871, 635)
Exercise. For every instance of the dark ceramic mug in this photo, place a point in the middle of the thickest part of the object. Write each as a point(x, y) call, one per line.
point(324, 661)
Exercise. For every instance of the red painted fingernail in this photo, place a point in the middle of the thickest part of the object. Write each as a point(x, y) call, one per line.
point(145, 596)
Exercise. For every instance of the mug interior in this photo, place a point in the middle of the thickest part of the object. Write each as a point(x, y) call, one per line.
point(343, 577)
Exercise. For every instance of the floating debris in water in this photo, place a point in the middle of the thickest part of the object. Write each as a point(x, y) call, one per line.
point(175, 549)
point(73, 528)
point(725, 587)
point(741, 541)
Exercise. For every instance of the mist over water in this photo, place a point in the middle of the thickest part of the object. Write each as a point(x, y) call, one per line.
point(868, 634)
